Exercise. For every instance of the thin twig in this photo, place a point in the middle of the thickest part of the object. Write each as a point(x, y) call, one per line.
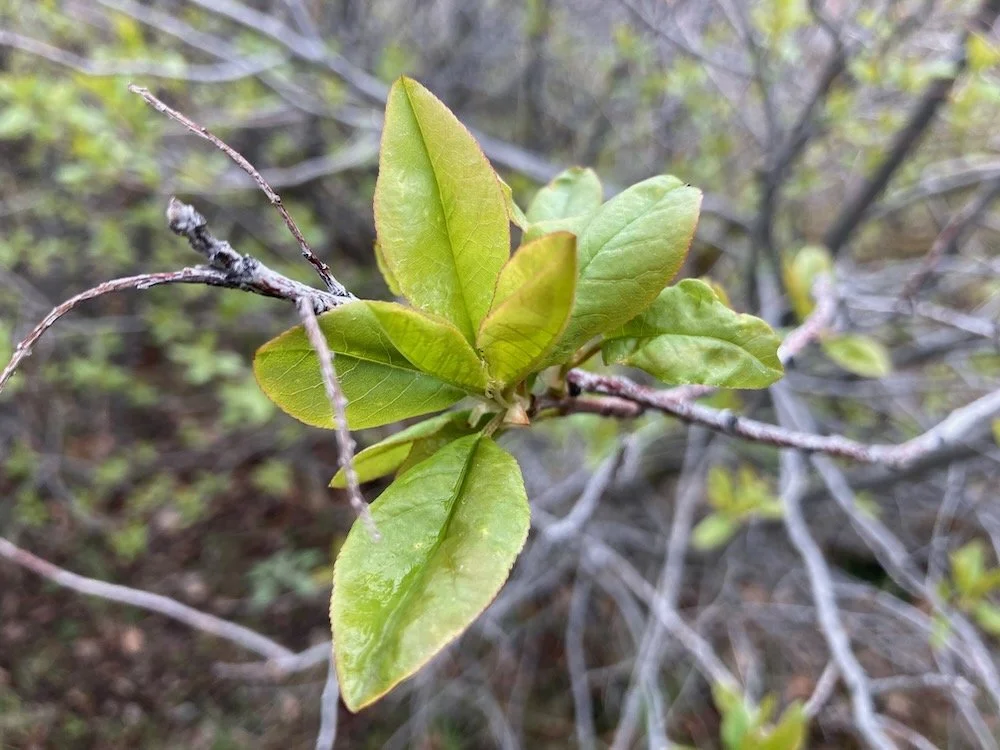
point(329, 708)
point(322, 268)
point(827, 612)
point(227, 268)
point(163, 605)
point(338, 402)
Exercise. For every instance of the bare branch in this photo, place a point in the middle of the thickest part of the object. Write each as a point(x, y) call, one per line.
point(338, 403)
point(322, 268)
point(827, 612)
point(163, 605)
point(228, 269)
point(217, 73)
point(329, 708)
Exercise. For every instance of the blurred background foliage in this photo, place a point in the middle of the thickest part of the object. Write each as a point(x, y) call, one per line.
point(136, 446)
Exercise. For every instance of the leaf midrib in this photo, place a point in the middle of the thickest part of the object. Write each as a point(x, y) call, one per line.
point(397, 611)
point(444, 213)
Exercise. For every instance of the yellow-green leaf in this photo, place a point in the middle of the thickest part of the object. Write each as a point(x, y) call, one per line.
point(689, 336)
point(533, 300)
point(431, 343)
point(860, 355)
point(451, 528)
point(439, 210)
point(514, 212)
point(712, 531)
point(575, 192)
point(800, 273)
point(634, 244)
point(381, 385)
point(388, 455)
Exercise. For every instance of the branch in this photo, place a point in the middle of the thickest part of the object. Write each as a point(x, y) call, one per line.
point(338, 402)
point(217, 73)
point(934, 96)
point(827, 613)
point(329, 708)
point(163, 605)
point(945, 434)
point(947, 241)
point(227, 268)
point(322, 268)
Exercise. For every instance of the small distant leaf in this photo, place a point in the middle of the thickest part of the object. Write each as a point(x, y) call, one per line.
point(737, 719)
point(388, 455)
point(440, 213)
point(431, 343)
point(801, 272)
point(575, 192)
point(940, 632)
point(968, 563)
point(688, 336)
point(857, 354)
point(634, 244)
point(451, 528)
point(381, 385)
point(712, 531)
point(988, 617)
point(788, 734)
point(514, 212)
point(719, 487)
point(982, 53)
point(996, 431)
point(533, 300)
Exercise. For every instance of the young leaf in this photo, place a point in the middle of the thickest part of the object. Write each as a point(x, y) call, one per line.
point(575, 192)
point(787, 734)
point(634, 244)
point(800, 273)
point(988, 617)
point(380, 384)
point(432, 344)
point(968, 564)
point(572, 224)
point(858, 354)
point(689, 336)
point(713, 530)
point(383, 268)
point(451, 528)
point(532, 303)
point(440, 214)
point(514, 212)
point(388, 455)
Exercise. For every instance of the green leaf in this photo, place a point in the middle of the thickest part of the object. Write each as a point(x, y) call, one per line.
point(712, 531)
point(800, 273)
point(858, 354)
point(968, 563)
point(572, 224)
point(439, 210)
point(380, 384)
point(383, 268)
point(788, 734)
point(514, 212)
point(432, 344)
point(634, 244)
point(451, 528)
point(388, 455)
point(533, 300)
point(689, 336)
point(737, 718)
point(719, 488)
point(575, 192)
point(988, 617)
